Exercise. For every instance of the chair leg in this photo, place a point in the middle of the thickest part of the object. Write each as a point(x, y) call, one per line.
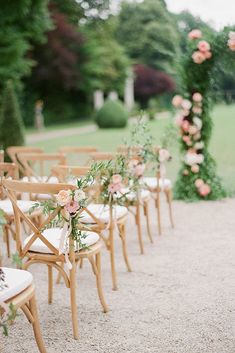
point(146, 212)
point(7, 240)
point(139, 231)
point(59, 275)
point(73, 301)
point(98, 282)
point(36, 325)
point(50, 284)
point(122, 233)
point(168, 193)
point(157, 203)
point(81, 263)
point(112, 259)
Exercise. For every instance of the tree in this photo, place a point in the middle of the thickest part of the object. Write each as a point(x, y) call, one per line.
point(148, 33)
point(11, 123)
point(23, 24)
point(151, 83)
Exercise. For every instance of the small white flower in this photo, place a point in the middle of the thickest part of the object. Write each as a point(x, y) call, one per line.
point(79, 195)
point(198, 122)
point(199, 145)
point(186, 104)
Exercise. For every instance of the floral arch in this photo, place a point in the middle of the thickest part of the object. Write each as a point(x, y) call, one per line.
point(197, 177)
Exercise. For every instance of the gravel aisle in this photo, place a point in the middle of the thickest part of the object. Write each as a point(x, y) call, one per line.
point(180, 297)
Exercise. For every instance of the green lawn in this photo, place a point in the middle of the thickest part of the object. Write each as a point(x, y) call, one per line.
point(222, 143)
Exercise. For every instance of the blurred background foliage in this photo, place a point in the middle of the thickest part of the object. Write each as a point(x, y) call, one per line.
point(62, 51)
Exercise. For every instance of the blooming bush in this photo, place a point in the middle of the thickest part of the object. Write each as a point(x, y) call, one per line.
point(197, 178)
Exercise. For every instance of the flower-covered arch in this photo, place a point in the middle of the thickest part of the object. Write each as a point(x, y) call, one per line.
point(197, 177)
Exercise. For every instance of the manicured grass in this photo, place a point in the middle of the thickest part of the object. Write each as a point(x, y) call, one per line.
point(222, 144)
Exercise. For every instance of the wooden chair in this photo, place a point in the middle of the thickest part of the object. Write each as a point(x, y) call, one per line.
point(13, 152)
point(100, 218)
point(101, 156)
point(80, 152)
point(42, 246)
point(20, 292)
point(41, 161)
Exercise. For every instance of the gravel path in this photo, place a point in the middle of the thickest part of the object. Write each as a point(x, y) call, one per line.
point(180, 297)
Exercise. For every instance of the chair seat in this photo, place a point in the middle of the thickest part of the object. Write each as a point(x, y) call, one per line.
point(151, 182)
point(24, 205)
point(53, 235)
point(101, 212)
point(17, 281)
point(131, 196)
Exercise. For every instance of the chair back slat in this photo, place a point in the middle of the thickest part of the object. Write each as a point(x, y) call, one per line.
point(7, 170)
point(77, 155)
point(63, 172)
point(13, 152)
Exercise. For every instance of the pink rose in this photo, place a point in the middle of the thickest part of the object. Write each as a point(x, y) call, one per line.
point(195, 34)
point(203, 46)
point(231, 41)
point(177, 100)
point(204, 190)
point(64, 197)
point(192, 130)
point(72, 207)
point(208, 54)
point(199, 183)
point(197, 97)
point(179, 119)
point(185, 172)
point(185, 125)
point(186, 138)
point(139, 170)
point(116, 179)
point(112, 188)
point(197, 110)
point(195, 168)
point(198, 57)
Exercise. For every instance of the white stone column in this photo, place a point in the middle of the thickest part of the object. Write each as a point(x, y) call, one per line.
point(113, 96)
point(98, 99)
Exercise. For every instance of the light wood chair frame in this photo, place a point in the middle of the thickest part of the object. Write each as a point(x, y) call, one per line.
point(78, 150)
point(54, 259)
point(62, 172)
point(13, 152)
point(26, 301)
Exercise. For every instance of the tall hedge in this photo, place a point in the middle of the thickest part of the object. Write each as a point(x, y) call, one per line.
point(11, 123)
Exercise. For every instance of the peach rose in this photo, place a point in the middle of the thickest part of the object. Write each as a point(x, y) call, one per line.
point(112, 188)
point(195, 34)
point(197, 97)
point(195, 168)
point(192, 130)
point(198, 57)
point(116, 179)
point(133, 163)
point(64, 197)
point(197, 110)
point(177, 100)
point(203, 46)
point(197, 136)
point(208, 54)
point(185, 125)
point(72, 207)
point(204, 190)
point(199, 183)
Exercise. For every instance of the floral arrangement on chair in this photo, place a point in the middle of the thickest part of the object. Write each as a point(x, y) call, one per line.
point(7, 312)
point(197, 178)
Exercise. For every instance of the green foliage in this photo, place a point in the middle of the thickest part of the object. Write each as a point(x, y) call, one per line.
point(112, 115)
point(23, 23)
point(148, 32)
point(11, 124)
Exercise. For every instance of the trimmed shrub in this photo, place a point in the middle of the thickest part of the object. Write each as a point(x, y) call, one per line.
point(112, 115)
point(11, 123)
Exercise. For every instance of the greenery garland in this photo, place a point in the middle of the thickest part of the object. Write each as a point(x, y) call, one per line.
point(197, 177)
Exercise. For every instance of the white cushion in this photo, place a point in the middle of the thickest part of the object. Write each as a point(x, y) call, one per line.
point(131, 196)
point(101, 212)
point(151, 182)
point(53, 236)
point(24, 205)
point(17, 281)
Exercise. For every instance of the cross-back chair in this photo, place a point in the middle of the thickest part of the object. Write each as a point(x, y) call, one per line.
point(13, 152)
point(20, 292)
point(42, 246)
point(99, 217)
point(78, 155)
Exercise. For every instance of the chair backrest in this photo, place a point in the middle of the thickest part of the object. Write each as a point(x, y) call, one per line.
point(38, 164)
point(7, 170)
point(65, 172)
point(12, 188)
point(101, 156)
point(77, 155)
point(13, 152)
